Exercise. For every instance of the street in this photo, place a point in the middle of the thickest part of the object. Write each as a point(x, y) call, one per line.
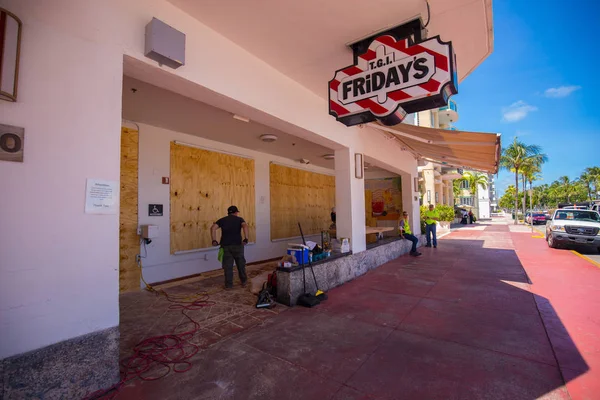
point(589, 252)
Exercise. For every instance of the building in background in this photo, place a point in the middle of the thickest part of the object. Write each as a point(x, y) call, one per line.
point(483, 201)
point(492, 194)
point(436, 180)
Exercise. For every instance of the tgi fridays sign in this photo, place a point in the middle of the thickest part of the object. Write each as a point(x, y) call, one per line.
point(393, 74)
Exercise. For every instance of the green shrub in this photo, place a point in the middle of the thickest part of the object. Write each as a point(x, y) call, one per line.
point(422, 210)
point(446, 213)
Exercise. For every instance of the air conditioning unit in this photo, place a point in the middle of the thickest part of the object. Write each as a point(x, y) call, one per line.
point(165, 44)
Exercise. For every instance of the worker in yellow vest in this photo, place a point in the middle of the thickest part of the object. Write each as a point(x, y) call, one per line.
point(431, 218)
point(406, 233)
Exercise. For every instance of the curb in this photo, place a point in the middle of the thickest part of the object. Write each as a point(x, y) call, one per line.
point(578, 254)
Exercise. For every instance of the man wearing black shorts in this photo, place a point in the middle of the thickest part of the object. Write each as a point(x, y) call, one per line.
point(232, 244)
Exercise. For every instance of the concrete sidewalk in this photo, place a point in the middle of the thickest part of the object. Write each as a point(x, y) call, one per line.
point(472, 319)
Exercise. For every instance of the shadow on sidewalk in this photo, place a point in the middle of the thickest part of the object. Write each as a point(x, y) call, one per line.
point(459, 322)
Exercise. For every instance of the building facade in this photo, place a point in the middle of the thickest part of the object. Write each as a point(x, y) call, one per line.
point(107, 127)
point(436, 180)
point(484, 201)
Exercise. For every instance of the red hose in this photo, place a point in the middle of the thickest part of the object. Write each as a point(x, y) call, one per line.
point(155, 357)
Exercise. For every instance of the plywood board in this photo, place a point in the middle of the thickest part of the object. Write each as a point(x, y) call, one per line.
point(129, 241)
point(203, 185)
point(299, 196)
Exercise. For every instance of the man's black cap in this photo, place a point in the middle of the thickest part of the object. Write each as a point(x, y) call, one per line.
point(232, 210)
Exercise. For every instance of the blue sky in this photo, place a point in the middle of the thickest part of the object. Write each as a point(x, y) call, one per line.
point(539, 84)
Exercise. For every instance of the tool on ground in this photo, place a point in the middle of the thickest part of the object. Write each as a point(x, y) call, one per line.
point(321, 295)
point(307, 299)
point(265, 300)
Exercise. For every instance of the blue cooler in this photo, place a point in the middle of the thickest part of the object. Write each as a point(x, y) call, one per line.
point(300, 252)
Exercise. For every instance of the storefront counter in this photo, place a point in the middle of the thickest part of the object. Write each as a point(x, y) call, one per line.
point(337, 269)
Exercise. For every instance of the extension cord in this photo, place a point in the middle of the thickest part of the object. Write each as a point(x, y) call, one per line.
point(165, 353)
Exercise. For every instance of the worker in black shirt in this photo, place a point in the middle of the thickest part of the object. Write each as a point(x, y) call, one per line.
point(232, 244)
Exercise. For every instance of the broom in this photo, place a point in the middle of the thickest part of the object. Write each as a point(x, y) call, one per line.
point(321, 295)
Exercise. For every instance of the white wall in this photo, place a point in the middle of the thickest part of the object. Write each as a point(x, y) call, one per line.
point(350, 201)
point(59, 267)
point(154, 163)
point(483, 202)
point(410, 201)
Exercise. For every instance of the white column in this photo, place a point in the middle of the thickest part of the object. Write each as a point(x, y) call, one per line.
point(429, 184)
point(349, 201)
point(410, 200)
point(447, 193)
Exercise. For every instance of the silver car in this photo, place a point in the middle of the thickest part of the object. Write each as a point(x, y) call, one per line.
point(573, 227)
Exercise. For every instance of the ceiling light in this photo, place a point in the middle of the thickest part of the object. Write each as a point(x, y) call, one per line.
point(244, 119)
point(268, 138)
point(329, 156)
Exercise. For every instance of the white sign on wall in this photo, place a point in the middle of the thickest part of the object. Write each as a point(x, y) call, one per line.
point(101, 197)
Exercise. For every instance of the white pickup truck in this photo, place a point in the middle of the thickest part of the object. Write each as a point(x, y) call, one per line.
point(573, 227)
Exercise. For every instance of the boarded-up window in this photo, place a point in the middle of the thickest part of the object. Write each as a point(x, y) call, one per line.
point(129, 241)
point(203, 185)
point(300, 196)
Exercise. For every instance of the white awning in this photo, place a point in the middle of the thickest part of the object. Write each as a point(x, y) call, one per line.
point(470, 150)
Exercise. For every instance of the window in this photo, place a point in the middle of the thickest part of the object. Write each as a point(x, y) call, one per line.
point(464, 185)
point(437, 197)
point(466, 200)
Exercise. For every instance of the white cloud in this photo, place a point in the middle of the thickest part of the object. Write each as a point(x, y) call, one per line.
point(561, 91)
point(517, 111)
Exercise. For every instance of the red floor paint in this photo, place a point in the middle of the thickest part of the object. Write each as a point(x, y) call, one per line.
point(489, 314)
point(570, 307)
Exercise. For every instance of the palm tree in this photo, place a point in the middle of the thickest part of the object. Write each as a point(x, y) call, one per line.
point(515, 156)
point(507, 198)
point(588, 180)
point(531, 173)
point(593, 174)
point(565, 182)
point(541, 195)
point(456, 189)
point(474, 180)
point(571, 189)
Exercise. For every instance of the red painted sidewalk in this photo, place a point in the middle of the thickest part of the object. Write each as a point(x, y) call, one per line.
point(567, 290)
point(489, 314)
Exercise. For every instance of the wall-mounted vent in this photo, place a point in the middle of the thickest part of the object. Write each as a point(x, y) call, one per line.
point(165, 44)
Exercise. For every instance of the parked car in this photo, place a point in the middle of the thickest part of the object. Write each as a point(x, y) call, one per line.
point(535, 217)
point(574, 227)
